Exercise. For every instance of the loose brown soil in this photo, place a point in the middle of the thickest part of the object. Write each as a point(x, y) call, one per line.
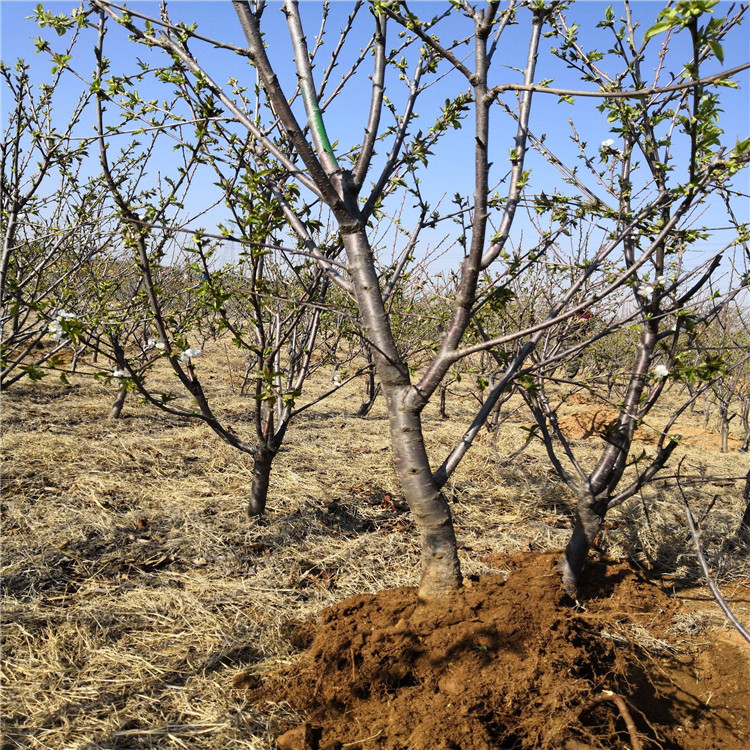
point(581, 423)
point(510, 663)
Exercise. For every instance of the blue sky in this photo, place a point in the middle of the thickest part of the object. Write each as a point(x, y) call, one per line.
point(450, 168)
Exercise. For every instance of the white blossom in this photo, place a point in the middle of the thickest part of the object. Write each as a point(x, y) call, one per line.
point(608, 143)
point(336, 377)
point(56, 329)
point(152, 343)
point(189, 354)
point(65, 315)
point(660, 371)
point(660, 281)
point(119, 374)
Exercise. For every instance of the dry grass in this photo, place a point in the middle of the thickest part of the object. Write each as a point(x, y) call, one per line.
point(135, 589)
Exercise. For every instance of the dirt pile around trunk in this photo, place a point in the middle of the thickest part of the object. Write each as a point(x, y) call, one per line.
point(598, 421)
point(508, 664)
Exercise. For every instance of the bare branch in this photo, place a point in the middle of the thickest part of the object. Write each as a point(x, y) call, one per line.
point(721, 76)
point(712, 587)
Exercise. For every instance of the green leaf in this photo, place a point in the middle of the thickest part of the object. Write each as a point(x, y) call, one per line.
point(33, 372)
point(657, 28)
point(717, 49)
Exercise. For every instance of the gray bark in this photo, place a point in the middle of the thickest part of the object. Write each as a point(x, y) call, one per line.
point(441, 572)
point(588, 524)
point(261, 478)
point(116, 409)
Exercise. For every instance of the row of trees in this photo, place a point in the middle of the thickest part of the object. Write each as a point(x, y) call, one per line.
point(594, 261)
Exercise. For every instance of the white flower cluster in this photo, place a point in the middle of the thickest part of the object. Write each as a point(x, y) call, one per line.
point(154, 344)
point(56, 328)
point(608, 143)
point(660, 371)
point(189, 354)
point(120, 374)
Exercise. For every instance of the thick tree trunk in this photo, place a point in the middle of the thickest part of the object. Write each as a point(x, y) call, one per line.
point(588, 524)
point(116, 409)
point(261, 477)
point(441, 570)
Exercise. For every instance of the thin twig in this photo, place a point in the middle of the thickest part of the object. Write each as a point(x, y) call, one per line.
point(712, 587)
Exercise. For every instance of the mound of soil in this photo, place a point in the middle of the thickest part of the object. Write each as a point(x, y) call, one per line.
point(595, 420)
point(510, 664)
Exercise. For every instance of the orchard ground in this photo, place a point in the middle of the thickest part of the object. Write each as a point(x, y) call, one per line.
point(142, 608)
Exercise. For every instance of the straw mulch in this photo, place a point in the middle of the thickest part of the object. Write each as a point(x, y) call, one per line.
point(138, 600)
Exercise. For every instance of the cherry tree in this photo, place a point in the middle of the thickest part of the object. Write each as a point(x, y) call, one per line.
point(639, 167)
point(266, 135)
point(288, 134)
point(52, 217)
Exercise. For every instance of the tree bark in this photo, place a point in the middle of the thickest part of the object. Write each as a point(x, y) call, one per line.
point(372, 389)
point(443, 394)
point(724, 434)
point(116, 409)
point(724, 420)
point(441, 570)
point(261, 478)
point(589, 520)
point(592, 503)
point(745, 522)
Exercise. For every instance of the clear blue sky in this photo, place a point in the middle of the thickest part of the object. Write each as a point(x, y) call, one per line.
point(451, 168)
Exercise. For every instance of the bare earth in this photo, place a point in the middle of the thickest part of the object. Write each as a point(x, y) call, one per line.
point(509, 664)
point(142, 609)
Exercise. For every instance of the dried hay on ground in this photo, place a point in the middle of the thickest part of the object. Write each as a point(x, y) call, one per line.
point(139, 602)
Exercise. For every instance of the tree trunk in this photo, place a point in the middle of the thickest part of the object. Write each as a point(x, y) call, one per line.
point(372, 390)
point(745, 422)
point(261, 477)
point(588, 524)
point(745, 523)
point(724, 419)
point(441, 570)
point(116, 409)
point(724, 436)
point(443, 392)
